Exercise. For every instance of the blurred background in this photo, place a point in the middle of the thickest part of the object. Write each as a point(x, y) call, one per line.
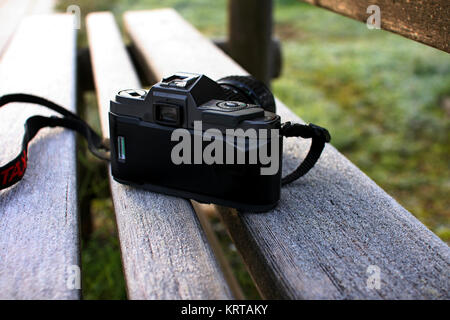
point(384, 98)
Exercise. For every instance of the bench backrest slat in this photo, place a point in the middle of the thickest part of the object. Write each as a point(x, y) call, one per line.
point(331, 225)
point(39, 245)
point(420, 20)
point(164, 249)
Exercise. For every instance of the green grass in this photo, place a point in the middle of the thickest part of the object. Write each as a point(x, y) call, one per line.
point(380, 95)
point(102, 271)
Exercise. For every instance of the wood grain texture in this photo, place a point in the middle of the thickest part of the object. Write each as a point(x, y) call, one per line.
point(38, 216)
point(43, 6)
point(420, 20)
point(331, 224)
point(13, 11)
point(204, 213)
point(165, 253)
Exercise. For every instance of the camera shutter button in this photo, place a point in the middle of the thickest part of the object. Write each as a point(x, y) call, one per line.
point(230, 104)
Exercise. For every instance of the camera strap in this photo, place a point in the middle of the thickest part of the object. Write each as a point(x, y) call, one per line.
point(319, 137)
point(14, 170)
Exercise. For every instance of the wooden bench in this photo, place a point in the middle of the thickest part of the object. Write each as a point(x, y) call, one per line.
point(329, 230)
point(39, 241)
point(331, 225)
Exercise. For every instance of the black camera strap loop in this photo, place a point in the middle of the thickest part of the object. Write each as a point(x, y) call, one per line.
point(14, 170)
point(319, 137)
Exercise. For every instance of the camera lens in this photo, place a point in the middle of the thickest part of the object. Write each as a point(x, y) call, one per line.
point(249, 90)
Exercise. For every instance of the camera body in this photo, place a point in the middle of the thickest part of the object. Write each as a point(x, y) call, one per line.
point(195, 138)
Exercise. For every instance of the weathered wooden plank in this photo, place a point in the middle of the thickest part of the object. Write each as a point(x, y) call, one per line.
point(164, 250)
point(38, 216)
point(330, 225)
point(420, 20)
point(43, 6)
point(12, 12)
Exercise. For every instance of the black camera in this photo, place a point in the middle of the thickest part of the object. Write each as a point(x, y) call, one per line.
point(189, 136)
point(192, 137)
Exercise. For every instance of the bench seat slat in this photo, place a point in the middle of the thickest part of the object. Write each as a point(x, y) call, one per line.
point(38, 216)
point(165, 253)
point(330, 225)
point(12, 12)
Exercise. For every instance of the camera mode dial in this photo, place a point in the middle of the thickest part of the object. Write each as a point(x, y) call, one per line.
point(232, 105)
